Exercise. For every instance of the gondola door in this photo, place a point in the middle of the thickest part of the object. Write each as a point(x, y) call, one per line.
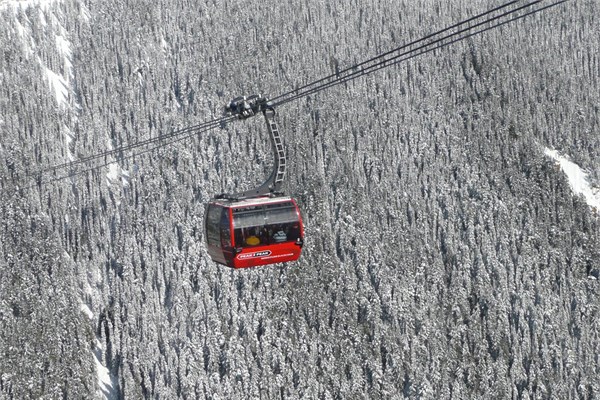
point(218, 233)
point(225, 235)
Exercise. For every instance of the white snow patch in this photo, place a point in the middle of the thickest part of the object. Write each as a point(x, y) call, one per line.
point(85, 13)
point(60, 86)
point(59, 83)
point(43, 20)
point(63, 45)
point(23, 4)
point(104, 379)
point(115, 172)
point(20, 28)
point(86, 310)
point(163, 44)
point(578, 179)
point(68, 140)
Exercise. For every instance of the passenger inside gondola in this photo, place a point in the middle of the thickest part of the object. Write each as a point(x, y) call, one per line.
point(252, 240)
point(247, 235)
point(272, 224)
point(279, 236)
point(269, 234)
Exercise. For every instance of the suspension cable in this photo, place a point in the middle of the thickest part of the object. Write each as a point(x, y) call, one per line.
point(429, 43)
point(442, 42)
point(164, 142)
point(191, 130)
point(387, 53)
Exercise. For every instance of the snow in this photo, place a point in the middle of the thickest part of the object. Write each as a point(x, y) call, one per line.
point(85, 13)
point(43, 20)
point(68, 134)
point(104, 379)
point(86, 310)
point(163, 44)
point(28, 44)
point(115, 172)
point(60, 87)
point(64, 46)
point(578, 179)
point(58, 83)
point(23, 4)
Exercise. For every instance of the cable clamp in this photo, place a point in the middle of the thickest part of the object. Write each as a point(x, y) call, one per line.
point(245, 107)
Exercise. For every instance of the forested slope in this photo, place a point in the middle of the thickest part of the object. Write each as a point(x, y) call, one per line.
point(446, 255)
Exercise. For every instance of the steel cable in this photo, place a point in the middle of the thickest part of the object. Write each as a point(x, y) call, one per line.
point(404, 46)
point(346, 75)
point(73, 173)
point(423, 49)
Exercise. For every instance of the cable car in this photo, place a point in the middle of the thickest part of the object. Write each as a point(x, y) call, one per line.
point(253, 232)
point(261, 226)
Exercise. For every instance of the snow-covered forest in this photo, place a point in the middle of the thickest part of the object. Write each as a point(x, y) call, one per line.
point(451, 203)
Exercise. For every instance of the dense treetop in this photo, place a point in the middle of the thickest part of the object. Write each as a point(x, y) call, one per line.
point(446, 255)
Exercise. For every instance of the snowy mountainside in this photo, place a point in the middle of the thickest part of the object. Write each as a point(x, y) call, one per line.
point(446, 256)
point(45, 339)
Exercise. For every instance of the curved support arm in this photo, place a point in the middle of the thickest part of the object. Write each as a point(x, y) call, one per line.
point(272, 186)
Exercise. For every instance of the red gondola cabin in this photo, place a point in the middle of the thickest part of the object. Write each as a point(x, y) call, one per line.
point(253, 232)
